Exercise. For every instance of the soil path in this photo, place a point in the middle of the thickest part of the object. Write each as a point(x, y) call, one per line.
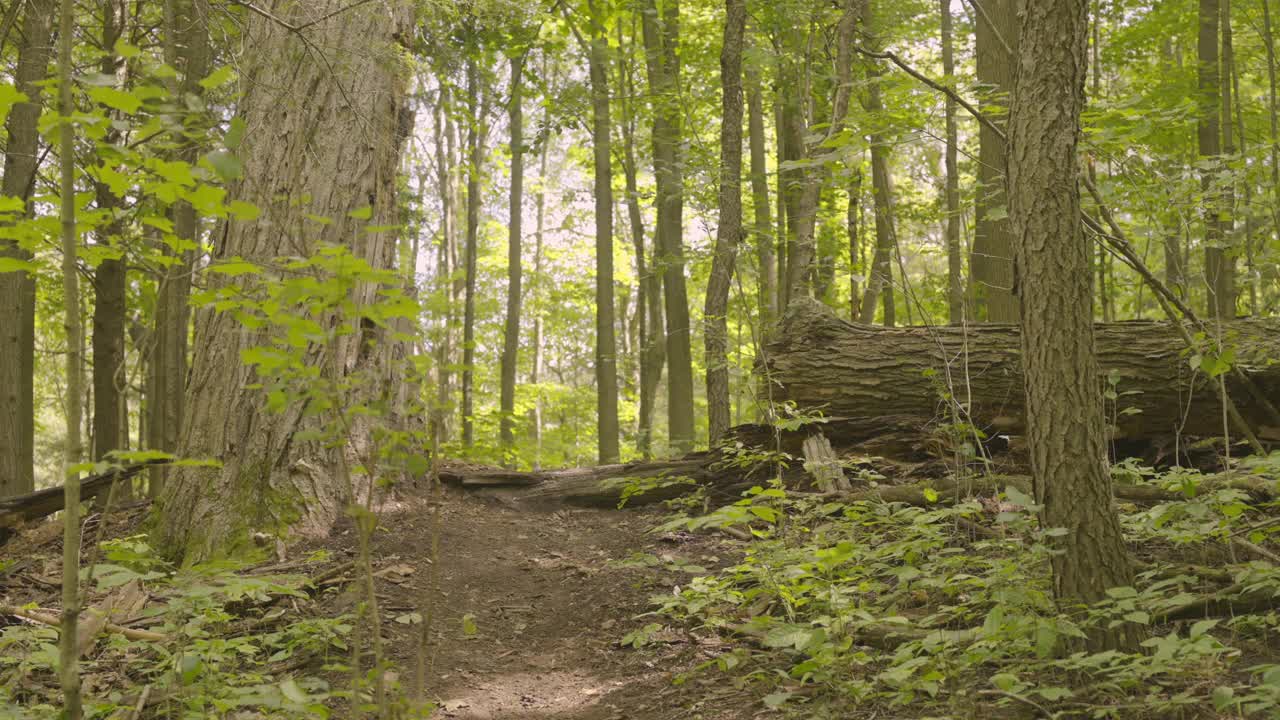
point(531, 606)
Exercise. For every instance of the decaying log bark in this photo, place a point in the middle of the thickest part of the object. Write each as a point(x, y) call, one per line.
point(16, 511)
point(858, 371)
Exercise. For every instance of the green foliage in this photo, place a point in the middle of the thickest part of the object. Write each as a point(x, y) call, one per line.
point(896, 607)
point(230, 645)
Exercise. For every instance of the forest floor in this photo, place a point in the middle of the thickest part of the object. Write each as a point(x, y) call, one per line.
point(531, 605)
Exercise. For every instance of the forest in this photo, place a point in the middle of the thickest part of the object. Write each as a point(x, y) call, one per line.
point(644, 359)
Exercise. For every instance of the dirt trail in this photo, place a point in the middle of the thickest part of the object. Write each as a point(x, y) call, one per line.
point(548, 608)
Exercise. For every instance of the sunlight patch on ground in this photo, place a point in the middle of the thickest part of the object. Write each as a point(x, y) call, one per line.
point(529, 695)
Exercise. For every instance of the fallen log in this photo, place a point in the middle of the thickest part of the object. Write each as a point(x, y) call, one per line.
point(601, 486)
point(21, 509)
point(819, 361)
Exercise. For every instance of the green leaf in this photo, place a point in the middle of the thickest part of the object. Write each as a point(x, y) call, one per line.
point(1202, 627)
point(219, 77)
point(363, 213)
point(226, 164)
point(9, 96)
point(1005, 681)
point(127, 51)
point(241, 210)
point(235, 134)
point(125, 102)
point(469, 625)
point(289, 688)
point(930, 495)
point(13, 264)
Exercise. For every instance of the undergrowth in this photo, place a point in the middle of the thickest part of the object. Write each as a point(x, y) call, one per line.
point(947, 610)
point(228, 643)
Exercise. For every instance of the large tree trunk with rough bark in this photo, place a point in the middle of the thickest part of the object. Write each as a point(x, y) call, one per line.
point(305, 154)
point(1065, 412)
point(854, 370)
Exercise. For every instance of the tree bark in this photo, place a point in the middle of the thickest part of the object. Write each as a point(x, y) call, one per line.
point(880, 282)
point(857, 370)
point(606, 342)
point(661, 40)
point(298, 143)
point(1209, 140)
point(475, 160)
point(109, 416)
point(1064, 405)
point(18, 288)
point(515, 232)
point(444, 280)
point(187, 50)
point(955, 267)
point(853, 225)
point(991, 266)
point(649, 290)
point(729, 228)
point(764, 236)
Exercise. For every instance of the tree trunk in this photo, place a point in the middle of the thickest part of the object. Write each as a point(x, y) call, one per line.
point(1273, 112)
point(68, 670)
point(18, 288)
point(729, 228)
point(1065, 432)
point(109, 418)
point(443, 128)
point(475, 161)
point(515, 232)
point(1209, 138)
point(991, 266)
point(764, 237)
point(661, 40)
point(606, 343)
point(649, 290)
point(1222, 272)
point(853, 224)
point(535, 291)
point(275, 473)
point(880, 282)
point(955, 267)
point(187, 50)
point(856, 370)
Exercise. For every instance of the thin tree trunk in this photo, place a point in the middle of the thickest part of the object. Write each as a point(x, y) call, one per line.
point(991, 267)
point(606, 343)
point(955, 268)
point(1065, 430)
point(1209, 137)
point(1249, 252)
point(854, 226)
point(768, 271)
point(729, 228)
point(1268, 40)
point(880, 282)
point(661, 39)
point(280, 470)
point(1223, 271)
point(443, 129)
point(515, 231)
point(649, 290)
point(109, 430)
point(535, 290)
point(68, 671)
point(475, 160)
point(1175, 266)
point(18, 288)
